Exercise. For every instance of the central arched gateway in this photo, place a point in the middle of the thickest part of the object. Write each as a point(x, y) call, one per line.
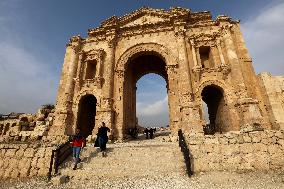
point(138, 66)
point(134, 64)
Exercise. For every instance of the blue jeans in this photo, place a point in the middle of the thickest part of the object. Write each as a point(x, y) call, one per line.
point(76, 154)
point(102, 143)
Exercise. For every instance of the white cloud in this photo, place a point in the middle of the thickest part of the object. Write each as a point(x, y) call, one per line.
point(27, 79)
point(155, 114)
point(152, 109)
point(25, 82)
point(265, 40)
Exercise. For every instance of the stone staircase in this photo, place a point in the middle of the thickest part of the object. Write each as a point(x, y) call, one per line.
point(134, 159)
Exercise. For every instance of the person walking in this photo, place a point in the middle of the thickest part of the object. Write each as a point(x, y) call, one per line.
point(103, 138)
point(146, 131)
point(151, 133)
point(78, 143)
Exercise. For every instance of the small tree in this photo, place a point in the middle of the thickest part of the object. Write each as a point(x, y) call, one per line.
point(48, 106)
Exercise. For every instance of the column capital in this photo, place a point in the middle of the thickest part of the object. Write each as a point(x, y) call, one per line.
point(111, 38)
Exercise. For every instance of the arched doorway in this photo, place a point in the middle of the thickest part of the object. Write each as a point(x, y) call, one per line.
point(139, 65)
point(217, 111)
point(87, 114)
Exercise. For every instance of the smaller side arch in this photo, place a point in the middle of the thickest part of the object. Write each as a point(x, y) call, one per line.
point(217, 109)
point(86, 114)
point(219, 84)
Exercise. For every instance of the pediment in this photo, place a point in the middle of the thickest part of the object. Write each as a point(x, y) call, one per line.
point(141, 16)
point(145, 16)
point(145, 19)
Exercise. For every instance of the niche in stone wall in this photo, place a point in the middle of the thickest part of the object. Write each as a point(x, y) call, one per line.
point(91, 69)
point(205, 57)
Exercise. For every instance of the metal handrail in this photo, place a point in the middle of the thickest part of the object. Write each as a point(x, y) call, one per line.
point(58, 156)
point(185, 151)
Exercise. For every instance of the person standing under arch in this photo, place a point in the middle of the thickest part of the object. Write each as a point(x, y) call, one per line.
point(103, 138)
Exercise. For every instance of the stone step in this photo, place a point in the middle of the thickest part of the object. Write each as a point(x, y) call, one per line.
point(131, 159)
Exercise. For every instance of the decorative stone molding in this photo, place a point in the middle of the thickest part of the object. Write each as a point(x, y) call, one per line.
point(97, 55)
point(204, 39)
point(91, 83)
point(74, 43)
point(94, 54)
point(160, 50)
point(119, 73)
point(81, 94)
point(106, 103)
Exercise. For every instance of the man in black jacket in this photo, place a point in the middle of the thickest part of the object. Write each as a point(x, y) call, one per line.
point(103, 138)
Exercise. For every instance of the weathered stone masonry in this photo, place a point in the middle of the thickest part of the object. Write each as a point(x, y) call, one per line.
point(237, 151)
point(24, 160)
point(201, 60)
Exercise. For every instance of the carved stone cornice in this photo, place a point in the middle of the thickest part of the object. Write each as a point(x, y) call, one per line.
point(147, 20)
point(120, 74)
point(204, 39)
point(111, 38)
point(110, 22)
point(75, 43)
point(96, 82)
point(246, 101)
point(225, 19)
point(94, 54)
point(145, 47)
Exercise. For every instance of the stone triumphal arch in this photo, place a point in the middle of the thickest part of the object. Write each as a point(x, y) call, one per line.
point(201, 59)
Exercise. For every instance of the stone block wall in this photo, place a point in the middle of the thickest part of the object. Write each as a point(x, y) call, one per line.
point(237, 151)
point(273, 89)
point(24, 160)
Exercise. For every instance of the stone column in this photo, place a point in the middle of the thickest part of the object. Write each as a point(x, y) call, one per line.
point(220, 52)
point(173, 91)
point(109, 65)
point(198, 58)
point(195, 63)
point(251, 114)
point(119, 104)
point(63, 111)
point(69, 90)
point(108, 75)
point(189, 118)
point(99, 64)
point(79, 75)
point(236, 72)
point(185, 81)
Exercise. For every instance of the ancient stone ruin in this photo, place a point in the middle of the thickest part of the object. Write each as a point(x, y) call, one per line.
point(200, 58)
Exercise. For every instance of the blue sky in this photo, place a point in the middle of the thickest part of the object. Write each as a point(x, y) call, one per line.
point(33, 34)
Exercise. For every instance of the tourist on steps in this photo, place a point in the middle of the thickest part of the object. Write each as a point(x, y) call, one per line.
point(78, 142)
point(103, 138)
point(146, 131)
point(151, 133)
